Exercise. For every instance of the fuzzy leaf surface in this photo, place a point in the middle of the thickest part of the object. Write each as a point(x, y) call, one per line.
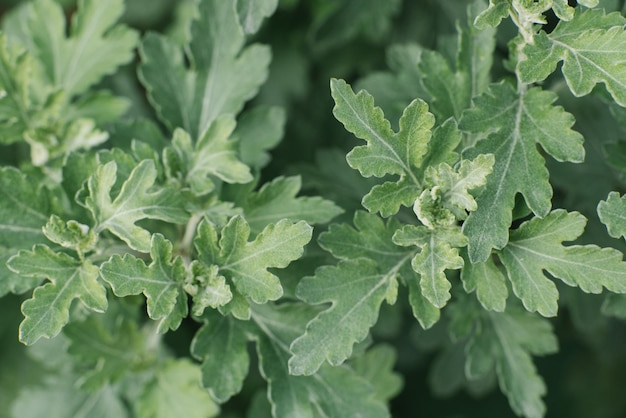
point(24, 210)
point(47, 311)
point(161, 282)
point(355, 290)
point(136, 200)
point(252, 13)
point(96, 45)
point(278, 200)
point(507, 342)
point(612, 212)
point(245, 263)
point(220, 345)
point(214, 155)
point(439, 252)
point(386, 152)
point(331, 391)
point(175, 391)
point(536, 246)
point(223, 74)
point(592, 47)
point(516, 124)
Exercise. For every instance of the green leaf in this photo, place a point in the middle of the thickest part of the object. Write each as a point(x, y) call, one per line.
point(176, 391)
point(488, 281)
point(24, 210)
point(535, 247)
point(332, 391)
point(355, 290)
point(221, 347)
point(161, 282)
point(47, 311)
point(137, 199)
point(448, 200)
point(222, 77)
point(70, 234)
point(213, 155)
point(60, 390)
point(591, 47)
point(108, 347)
point(277, 200)
point(506, 342)
point(95, 47)
point(386, 152)
point(439, 252)
point(450, 90)
point(246, 264)
point(207, 288)
point(612, 213)
point(259, 130)
point(376, 366)
point(515, 123)
point(493, 15)
point(252, 13)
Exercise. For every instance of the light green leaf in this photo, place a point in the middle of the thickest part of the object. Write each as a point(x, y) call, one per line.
point(213, 155)
point(516, 124)
point(592, 46)
point(493, 15)
point(222, 77)
point(447, 199)
point(138, 199)
point(108, 348)
point(450, 91)
point(176, 391)
point(277, 200)
point(506, 342)
point(207, 288)
point(259, 130)
point(488, 281)
point(386, 152)
point(161, 282)
point(24, 210)
point(252, 13)
point(245, 263)
point(95, 47)
point(60, 390)
point(439, 252)
point(331, 391)
point(423, 310)
point(221, 347)
point(355, 290)
point(70, 234)
point(376, 366)
point(535, 247)
point(612, 213)
point(47, 311)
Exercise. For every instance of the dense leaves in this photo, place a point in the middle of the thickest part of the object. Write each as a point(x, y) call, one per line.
point(195, 224)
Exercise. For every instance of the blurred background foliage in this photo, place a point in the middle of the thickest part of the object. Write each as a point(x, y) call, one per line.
point(311, 41)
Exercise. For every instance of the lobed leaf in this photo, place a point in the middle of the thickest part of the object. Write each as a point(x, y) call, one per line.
point(47, 311)
point(516, 123)
point(95, 47)
point(245, 263)
point(223, 74)
point(355, 290)
point(175, 391)
point(161, 282)
point(439, 252)
point(612, 213)
point(536, 247)
point(592, 47)
point(386, 152)
point(277, 200)
point(137, 200)
point(506, 342)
